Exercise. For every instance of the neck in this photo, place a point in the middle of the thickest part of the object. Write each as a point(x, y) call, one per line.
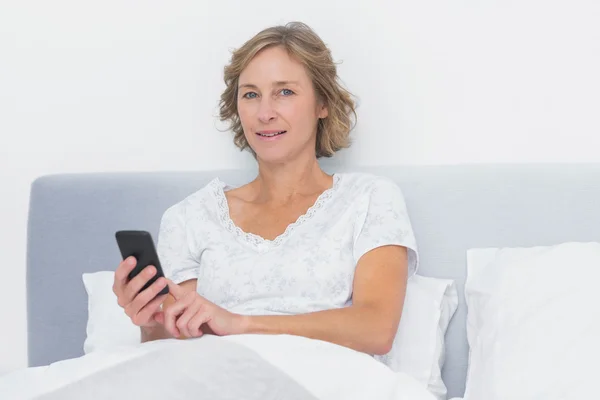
point(281, 182)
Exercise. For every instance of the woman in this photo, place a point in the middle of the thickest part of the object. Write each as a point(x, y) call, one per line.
point(295, 251)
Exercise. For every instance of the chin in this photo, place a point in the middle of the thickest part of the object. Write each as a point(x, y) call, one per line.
point(280, 153)
point(273, 157)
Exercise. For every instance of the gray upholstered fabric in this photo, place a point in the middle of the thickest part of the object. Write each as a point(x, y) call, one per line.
point(73, 219)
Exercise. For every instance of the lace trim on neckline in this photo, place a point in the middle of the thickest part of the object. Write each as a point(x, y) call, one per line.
point(218, 189)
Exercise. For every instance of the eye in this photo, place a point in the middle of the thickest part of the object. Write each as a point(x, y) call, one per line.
point(250, 95)
point(286, 92)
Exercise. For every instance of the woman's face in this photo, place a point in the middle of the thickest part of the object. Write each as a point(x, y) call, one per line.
point(278, 107)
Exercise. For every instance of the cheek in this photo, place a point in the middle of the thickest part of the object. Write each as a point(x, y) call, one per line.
point(310, 121)
point(297, 114)
point(245, 112)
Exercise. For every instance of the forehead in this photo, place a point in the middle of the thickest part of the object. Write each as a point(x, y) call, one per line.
point(271, 65)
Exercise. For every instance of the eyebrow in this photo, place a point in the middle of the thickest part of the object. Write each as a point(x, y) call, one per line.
point(276, 83)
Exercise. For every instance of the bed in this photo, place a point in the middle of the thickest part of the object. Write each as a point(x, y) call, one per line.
point(73, 217)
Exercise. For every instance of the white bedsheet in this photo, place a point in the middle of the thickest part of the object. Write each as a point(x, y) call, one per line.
point(328, 371)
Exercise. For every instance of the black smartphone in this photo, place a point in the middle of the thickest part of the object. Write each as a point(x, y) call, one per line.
point(140, 245)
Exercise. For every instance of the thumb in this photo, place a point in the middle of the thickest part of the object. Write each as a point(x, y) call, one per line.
point(175, 290)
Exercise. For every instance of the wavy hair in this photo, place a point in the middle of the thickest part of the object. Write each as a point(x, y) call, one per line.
point(304, 45)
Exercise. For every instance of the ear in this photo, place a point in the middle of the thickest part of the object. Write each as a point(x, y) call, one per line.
point(323, 111)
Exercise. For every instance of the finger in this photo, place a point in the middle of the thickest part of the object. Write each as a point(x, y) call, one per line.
point(184, 319)
point(174, 311)
point(145, 297)
point(123, 270)
point(195, 324)
point(159, 317)
point(176, 291)
point(145, 315)
point(137, 283)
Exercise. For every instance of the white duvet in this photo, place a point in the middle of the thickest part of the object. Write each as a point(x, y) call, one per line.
point(324, 370)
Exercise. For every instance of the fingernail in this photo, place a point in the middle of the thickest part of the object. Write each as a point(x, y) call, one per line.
point(150, 271)
point(131, 260)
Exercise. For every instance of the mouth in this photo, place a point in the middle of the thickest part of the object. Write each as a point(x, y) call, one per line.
point(270, 134)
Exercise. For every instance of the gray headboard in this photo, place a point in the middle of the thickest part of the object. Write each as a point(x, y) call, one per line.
point(73, 218)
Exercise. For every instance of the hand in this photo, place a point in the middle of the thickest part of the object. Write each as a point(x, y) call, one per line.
point(142, 308)
point(192, 316)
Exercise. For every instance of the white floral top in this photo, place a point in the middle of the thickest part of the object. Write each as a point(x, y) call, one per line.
point(310, 267)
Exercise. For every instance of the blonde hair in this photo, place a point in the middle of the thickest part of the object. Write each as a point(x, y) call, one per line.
point(302, 43)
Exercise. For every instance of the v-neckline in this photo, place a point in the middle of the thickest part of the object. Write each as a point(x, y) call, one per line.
point(258, 242)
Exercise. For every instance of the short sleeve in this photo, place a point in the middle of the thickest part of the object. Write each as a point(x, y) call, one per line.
point(384, 221)
point(173, 247)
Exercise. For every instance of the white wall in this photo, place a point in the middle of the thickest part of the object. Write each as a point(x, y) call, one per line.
point(134, 85)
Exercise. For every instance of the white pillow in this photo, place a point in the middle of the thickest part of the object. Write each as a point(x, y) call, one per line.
point(533, 322)
point(107, 326)
point(418, 349)
point(419, 346)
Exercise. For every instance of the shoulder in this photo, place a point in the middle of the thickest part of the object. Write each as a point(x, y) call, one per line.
point(198, 202)
point(360, 184)
point(374, 196)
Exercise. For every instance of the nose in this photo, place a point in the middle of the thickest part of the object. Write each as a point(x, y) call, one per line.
point(266, 112)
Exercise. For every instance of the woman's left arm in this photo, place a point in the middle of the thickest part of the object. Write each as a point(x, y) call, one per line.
point(369, 325)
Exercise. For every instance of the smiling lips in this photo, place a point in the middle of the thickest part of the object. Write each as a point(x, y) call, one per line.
point(269, 135)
